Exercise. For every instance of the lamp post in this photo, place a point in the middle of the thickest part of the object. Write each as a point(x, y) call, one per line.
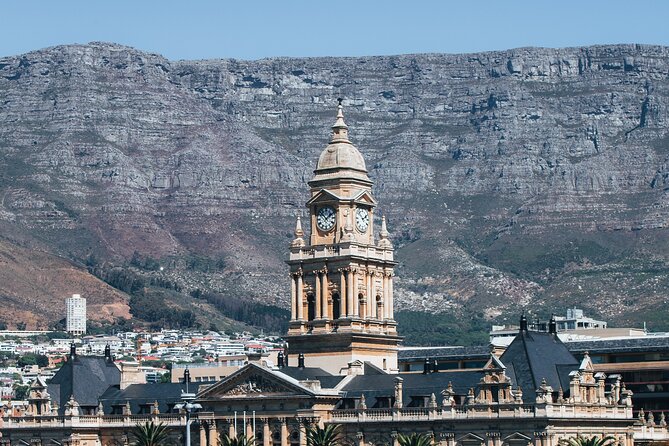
point(187, 405)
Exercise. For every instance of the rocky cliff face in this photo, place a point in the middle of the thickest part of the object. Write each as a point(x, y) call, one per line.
point(532, 178)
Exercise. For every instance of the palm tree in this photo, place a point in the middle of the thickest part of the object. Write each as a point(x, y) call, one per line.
point(592, 441)
point(150, 434)
point(327, 436)
point(414, 439)
point(239, 440)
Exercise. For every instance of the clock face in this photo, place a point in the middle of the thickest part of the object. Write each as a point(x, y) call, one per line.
point(362, 219)
point(325, 218)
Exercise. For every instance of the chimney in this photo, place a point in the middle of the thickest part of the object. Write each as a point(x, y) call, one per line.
point(435, 366)
point(186, 378)
point(108, 352)
point(523, 323)
point(300, 360)
point(73, 351)
point(427, 365)
point(552, 325)
point(279, 360)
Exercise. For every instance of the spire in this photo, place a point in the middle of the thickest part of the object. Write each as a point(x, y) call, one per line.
point(523, 323)
point(298, 242)
point(340, 129)
point(384, 242)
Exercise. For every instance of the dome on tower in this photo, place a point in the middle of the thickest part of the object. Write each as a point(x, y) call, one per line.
point(340, 159)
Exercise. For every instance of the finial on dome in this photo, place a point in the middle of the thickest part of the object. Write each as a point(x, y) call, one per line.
point(299, 233)
point(384, 242)
point(340, 129)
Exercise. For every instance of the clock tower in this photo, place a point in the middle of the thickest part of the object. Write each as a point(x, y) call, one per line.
point(342, 277)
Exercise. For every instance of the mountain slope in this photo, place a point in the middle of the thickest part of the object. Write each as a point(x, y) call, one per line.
point(521, 175)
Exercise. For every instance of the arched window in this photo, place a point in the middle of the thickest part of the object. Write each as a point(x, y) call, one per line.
point(311, 307)
point(379, 307)
point(336, 306)
point(361, 305)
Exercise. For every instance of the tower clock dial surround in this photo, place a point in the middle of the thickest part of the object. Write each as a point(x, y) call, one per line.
point(362, 219)
point(325, 218)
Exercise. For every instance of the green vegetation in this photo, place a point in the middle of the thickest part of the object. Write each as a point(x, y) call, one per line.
point(414, 439)
point(268, 317)
point(441, 329)
point(150, 434)
point(239, 440)
point(591, 441)
point(32, 359)
point(152, 307)
point(327, 436)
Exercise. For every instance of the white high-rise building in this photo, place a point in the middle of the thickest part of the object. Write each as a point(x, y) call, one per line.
point(76, 315)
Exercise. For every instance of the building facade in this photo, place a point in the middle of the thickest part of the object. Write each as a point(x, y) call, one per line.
point(76, 315)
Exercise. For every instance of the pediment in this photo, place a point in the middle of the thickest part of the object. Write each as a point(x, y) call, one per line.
point(470, 438)
point(324, 195)
point(365, 197)
point(253, 381)
point(517, 436)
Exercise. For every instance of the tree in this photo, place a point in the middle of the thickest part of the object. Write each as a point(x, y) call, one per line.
point(585, 441)
point(327, 436)
point(32, 359)
point(239, 440)
point(150, 434)
point(414, 440)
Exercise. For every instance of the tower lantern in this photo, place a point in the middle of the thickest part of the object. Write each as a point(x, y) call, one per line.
point(341, 278)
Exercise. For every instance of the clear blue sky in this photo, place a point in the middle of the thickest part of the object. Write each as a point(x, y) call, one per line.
point(199, 29)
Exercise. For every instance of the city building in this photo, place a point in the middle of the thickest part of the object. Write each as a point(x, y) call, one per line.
point(76, 315)
point(342, 363)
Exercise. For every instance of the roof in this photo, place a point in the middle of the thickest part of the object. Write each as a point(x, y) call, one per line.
point(166, 394)
point(84, 377)
point(413, 384)
point(445, 353)
point(533, 356)
point(626, 345)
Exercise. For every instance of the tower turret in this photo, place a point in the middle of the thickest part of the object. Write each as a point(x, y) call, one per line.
point(341, 280)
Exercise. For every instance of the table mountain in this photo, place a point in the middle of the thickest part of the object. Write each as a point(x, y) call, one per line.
point(529, 178)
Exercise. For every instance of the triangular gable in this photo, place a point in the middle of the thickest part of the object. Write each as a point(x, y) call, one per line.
point(494, 363)
point(324, 195)
point(364, 197)
point(470, 438)
point(586, 364)
point(517, 436)
point(253, 381)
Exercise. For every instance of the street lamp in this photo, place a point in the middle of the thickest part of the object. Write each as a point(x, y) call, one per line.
point(188, 406)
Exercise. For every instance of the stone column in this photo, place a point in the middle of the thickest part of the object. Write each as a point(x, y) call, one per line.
point(203, 435)
point(300, 296)
point(391, 311)
point(213, 434)
point(303, 433)
point(351, 298)
point(284, 432)
point(318, 298)
point(356, 301)
point(325, 290)
point(385, 295)
point(249, 430)
point(231, 430)
point(371, 296)
point(342, 294)
point(293, 298)
point(266, 433)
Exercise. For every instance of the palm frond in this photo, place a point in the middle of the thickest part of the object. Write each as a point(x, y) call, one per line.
point(150, 434)
point(327, 436)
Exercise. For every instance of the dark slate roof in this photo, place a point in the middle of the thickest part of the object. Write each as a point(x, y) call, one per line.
point(304, 373)
point(167, 394)
point(445, 353)
point(328, 380)
point(533, 356)
point(85, 377)
point(631, 345)
point(413, 384)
